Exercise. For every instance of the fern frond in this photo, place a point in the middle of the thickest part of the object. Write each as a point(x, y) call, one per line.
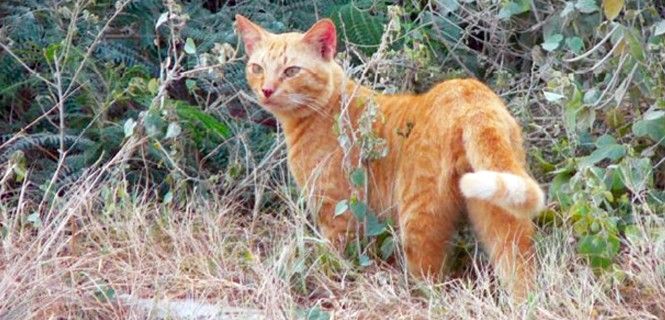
point(45, 141)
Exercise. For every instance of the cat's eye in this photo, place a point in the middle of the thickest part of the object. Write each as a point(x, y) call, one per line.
point(291, 71)
point(256, 69)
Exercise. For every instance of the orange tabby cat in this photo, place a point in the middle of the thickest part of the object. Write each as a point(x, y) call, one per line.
point(463, 153)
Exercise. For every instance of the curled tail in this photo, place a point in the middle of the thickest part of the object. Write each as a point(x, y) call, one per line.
point(518, 194)
point(494, 151)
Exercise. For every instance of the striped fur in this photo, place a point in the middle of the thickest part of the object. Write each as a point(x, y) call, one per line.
point(463, 154)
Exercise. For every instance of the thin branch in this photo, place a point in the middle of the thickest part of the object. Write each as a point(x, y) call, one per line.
point(25, 66)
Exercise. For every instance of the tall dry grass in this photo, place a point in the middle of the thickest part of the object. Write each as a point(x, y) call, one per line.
point(106, 252)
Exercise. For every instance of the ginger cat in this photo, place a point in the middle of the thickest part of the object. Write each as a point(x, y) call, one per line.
point(463, 154)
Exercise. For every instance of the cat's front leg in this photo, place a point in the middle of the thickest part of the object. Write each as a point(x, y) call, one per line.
point(336, 229)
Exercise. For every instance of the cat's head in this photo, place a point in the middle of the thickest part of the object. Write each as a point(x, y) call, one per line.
point(290, 73)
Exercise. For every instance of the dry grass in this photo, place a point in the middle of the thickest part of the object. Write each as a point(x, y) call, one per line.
point(273, 265)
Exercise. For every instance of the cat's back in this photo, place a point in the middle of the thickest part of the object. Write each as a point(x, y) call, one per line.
point(464, 96)
point(455, 95)
point(465, 102)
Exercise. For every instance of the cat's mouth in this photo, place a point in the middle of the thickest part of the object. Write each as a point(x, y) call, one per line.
point(274, 101)
point(272, 104)
point(268, 101)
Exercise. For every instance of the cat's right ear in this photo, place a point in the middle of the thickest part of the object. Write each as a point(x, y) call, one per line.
point(250, 33)
point(323, 37)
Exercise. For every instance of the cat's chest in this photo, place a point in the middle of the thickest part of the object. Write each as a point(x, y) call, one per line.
point(315, 161)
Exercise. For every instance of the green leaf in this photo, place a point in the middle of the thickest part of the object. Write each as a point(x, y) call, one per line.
point(575, 44)
point(129, 126)
point(447, 25)
point(34, 219)
point(567, 10)
point(374, 226)
point(633, 234)
point(613, 180)
point(513, 8)
point(153, 123)
point(659, 28)
point(387, 248)
point(190, 46)
point(586, 6)
point(315, 313)
point(552, 42)
point(612, 152)
point(352, 248)
point(191, 85)
point(585, 119)
point(636, 173)
point(359, 209)
point(358, 177)
point(341, 207)
point(18, 165)
point(209, 122)
point(600, 249)
point(173, 130)
point(614, 245)
point(654, 115)
point(364, 260)
point(51, 52)
point(168, 197)
point(162, 19)
point(448, 6)
point(605, 140)
point(636, 45)
point(552, 96)
point(652, 126)
point(572, 107)
point(595, 227)
point(104, 293)
point(560, 188)
point(590, 245)
point(153, 86)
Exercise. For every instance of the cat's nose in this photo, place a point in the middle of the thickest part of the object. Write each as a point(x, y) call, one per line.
point(268, 92)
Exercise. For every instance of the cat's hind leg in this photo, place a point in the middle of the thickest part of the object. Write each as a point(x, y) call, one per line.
point(501, 199)
point(508, 242)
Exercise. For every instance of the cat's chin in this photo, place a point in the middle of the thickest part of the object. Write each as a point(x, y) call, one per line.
point(274, 106)
point(268, 103)
point(282, 108)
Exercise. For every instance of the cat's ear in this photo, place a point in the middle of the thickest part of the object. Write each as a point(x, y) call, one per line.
point(323, 37)
point(250, 33)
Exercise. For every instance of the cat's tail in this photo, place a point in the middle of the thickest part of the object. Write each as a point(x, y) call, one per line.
point(499, 177)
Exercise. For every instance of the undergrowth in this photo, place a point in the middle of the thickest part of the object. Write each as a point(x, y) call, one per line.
point(136, 165)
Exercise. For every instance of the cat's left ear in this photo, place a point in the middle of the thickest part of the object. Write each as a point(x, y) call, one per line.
point(323, 36)
point(250, 33)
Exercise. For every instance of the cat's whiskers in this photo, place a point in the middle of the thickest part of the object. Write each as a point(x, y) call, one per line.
point(307, 102)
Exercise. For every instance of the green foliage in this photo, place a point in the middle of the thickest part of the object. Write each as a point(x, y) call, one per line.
point(611, 97)
point(358, 25)
point(119, 80)
point(313, 313)
point(194, 116)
